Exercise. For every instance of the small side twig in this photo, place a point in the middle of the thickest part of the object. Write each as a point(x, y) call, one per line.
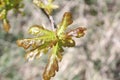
point(53, 25)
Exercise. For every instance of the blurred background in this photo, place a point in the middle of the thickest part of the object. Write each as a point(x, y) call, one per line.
point(96, 56)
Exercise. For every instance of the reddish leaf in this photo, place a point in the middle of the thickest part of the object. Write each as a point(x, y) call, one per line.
point(52, 65)
point(79, 32)
point(66, 21)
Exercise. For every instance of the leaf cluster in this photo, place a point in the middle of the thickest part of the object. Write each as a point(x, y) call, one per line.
point(5, 6)
point(53, 41)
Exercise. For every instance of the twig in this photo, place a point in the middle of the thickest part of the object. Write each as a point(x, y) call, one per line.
point(53, 25)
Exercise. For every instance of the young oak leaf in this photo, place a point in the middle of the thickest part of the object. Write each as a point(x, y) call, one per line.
point(66, 21)
point(34, 50)
point(47, 6)
point(26, 43)
point(42, 33)
point(52, 65)
point(78, 32)
point(68, 42)
point(35, 30)
point(39, 3)
point(45, 40)
point(66, 37)
point(37, 52)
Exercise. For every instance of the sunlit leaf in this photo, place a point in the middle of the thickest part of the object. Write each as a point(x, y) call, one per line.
point(35, 30)
point(69, 42)
point(48, 7)
point(52, 65)
point(66, 21)
point(26, 43)
point(79, 32)
point(37, 52)
point(39, 3)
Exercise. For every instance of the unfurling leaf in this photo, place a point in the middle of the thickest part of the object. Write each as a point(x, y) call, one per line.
point(51, 69)
point(42, 33)
point(37, 52)
point(33, 47)
point(32, 54)
point(26, 43)
point(6, 25)
point(39, 3)
point(69, 42)
point(66, 21)
point(48, 6)
point(79, 32)
point(35, 30)
point(52, 65)
point(43, 40)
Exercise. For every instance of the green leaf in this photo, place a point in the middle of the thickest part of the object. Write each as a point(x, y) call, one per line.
point(48, 7)
point(36, 30)
point(41, 33)
point(39, 30)
point(37, 51)
point(52, 65)
point(68, 42)
point(39, 3)
point(66, 21)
